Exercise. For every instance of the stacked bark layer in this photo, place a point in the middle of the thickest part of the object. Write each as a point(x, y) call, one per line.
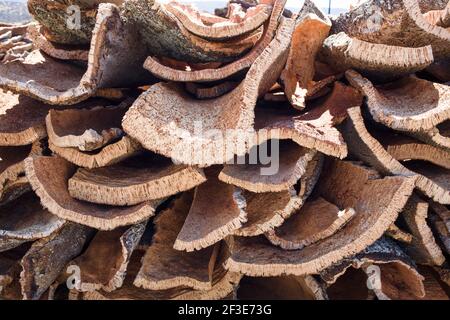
point(154, 151)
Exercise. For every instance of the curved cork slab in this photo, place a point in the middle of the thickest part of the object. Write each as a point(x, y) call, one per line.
point(106, 68)
point(377, 60)
point(410, 104)
point(22, 119)
point(266, 211)
point(191, 20)
point(86, 129)
point(217, 210)
point(377, 202)
point(153, 119)
point(258, 178)
point(312, 27)
point(423, 248)
point(134, 180)
point(104, 264)
point(49, 178)
point(365, 147)
point(108, 155)
point(405, 148)
point(314, 129)
point(316, 220)
point(398, 278)
point(223, 284)
point(24, 220)
point(392, 18)
point(210, 74)
point(55, 50)
point(163, 267)
point(12, 169)
point(48, 257)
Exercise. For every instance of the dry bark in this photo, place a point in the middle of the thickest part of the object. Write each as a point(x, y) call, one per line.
point(152, 120)
point(107, 66)
point(135, 180)
point(398, 277)
point(383, 21)
point(49, 178)
point(376, 201)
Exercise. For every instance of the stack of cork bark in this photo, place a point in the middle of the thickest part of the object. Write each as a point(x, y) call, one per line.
point(135, 161)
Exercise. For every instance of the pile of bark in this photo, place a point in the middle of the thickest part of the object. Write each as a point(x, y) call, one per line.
point(115, 182)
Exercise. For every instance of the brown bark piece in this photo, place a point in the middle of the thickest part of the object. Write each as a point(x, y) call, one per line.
point(134, 180)
point(266, 211)
point(155, 118)
point(49, 178)
point(55, 50)
point(431, 180)
point(380, 21)
point(423, 249)
point(163, 266)
point(217, 210)
point(24, 220)
point(259, 178)
point(86, 129)
point(47, 258)
point(343, 52)
point(103, 266)
point(410, 104)
point(107, 67)
point(316, 220)
point(247, 61)
point(108, 155)
point(163, 35)
point(312, 27)
point(314, 129)
point(376, 201)
point(190, 18)
point(390, 273)
point(404, 148)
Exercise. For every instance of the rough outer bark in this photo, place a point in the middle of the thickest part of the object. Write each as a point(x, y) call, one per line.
point(376, 201)
point(164, 35)
point(55, 50)
point(399, 277)
point(47, 258)
point(396, 23)
point(221, 30)
point(152, 118)
point(213, 74)
point(115, 60)
point(53, 15)
point(108, 155)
